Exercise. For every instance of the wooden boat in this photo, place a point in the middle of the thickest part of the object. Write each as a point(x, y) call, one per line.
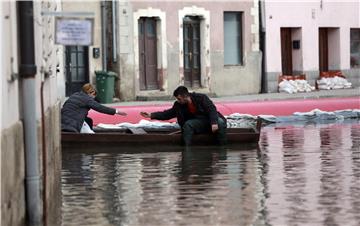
point(105, 138)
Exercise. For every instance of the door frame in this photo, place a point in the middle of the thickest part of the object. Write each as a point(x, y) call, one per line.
point(70, 85)
point(194, 80)
point(148, 75)
point(323, 49)
point(286, 51)
point(205, 49)
point(161, 51)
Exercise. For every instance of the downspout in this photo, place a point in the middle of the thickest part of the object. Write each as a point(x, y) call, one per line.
point(262, 36)
point(44, 153)
point(103, 35)
point(114, 31)
point(27, 72)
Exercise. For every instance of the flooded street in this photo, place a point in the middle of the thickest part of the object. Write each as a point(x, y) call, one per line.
point(300, 174)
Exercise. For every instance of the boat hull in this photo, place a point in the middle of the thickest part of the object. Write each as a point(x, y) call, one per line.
point(126, 139)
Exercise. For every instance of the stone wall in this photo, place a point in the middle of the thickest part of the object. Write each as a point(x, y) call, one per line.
point(13, 176)
point(53, 165)
point(13, 198)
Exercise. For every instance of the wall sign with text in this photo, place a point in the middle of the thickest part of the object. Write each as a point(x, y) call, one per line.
point(74, 31)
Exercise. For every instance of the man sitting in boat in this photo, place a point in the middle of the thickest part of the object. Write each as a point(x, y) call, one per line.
point(195, 113)
point(75, 110)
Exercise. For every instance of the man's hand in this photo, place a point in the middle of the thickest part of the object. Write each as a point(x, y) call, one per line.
point(120, 113)
point(214, 127)
point(145, 114)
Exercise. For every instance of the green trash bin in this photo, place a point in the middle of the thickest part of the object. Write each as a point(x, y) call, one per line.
point(105, 81)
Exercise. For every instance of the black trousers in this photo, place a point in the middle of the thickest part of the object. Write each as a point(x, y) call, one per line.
point(201, 125)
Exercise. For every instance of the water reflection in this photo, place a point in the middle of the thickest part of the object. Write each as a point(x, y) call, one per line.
point(299, 175)
point(310, 179)
point(331, 170)
point(354, 188)
point(294, 175)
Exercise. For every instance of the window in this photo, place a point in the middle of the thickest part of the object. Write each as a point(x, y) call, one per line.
point(355, 48)
point(233, 38)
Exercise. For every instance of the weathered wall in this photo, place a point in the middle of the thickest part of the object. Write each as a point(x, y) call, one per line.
point(126, 56)
point(13, 170)
point(9, 66)
point(11, 130)
point(235, 80)
point(12, 176)
point(227, 81)
point(47, 57)
point(53, 164)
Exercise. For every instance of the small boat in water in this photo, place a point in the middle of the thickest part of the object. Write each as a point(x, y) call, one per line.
point(140, 137)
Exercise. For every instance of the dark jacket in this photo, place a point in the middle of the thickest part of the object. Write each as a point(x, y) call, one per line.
point(204, 108)
point(76, 108)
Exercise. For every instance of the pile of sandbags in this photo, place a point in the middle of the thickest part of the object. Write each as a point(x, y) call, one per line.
point(295, 86)
point(333, 83)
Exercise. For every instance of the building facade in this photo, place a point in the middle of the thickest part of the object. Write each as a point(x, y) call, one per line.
point(216, 47)
point(311, 37)
point(208, 46)
point(155, 46)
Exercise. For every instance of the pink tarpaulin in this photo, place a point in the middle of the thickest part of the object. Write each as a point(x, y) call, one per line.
point(273, 107)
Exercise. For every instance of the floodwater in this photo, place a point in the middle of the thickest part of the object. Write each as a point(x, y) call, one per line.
point(305, 174)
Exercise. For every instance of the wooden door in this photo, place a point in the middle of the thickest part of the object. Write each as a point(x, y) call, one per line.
point(192, 66)
point(148, 54)
point(286, 51)
point(323, 50)
point(76, 68)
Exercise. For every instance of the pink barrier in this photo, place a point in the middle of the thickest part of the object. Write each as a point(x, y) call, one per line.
point(273, 107)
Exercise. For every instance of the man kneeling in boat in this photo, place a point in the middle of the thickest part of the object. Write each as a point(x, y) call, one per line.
point(75, 109)
point(195, 113)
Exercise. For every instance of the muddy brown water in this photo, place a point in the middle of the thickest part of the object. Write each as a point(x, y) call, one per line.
point(305, 174)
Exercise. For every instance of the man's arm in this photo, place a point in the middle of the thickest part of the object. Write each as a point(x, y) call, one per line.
point(161, 115)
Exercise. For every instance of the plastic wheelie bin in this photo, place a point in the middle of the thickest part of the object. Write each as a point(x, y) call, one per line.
point(105, 81)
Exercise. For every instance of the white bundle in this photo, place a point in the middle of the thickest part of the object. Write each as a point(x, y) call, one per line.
point(142, 124)
point(304, 86)
point(312, 112)
point(333, 83)
point(240, 116)
point(294, 86)
point(287, 87)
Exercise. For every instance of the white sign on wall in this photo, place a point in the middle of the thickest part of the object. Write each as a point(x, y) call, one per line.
point(74, 31)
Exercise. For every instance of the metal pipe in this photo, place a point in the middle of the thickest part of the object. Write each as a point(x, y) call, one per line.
point(27, 72)
point(262, 44)
point(103, 35)
point(114, 31)
point(44, 154)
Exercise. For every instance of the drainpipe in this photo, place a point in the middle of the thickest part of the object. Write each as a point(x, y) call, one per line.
point(103, 35)
point(27, 72)
point(44, 153)
point(262, 35)
point(114, 30)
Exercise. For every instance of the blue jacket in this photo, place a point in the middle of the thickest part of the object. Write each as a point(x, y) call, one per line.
point(76, 108)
